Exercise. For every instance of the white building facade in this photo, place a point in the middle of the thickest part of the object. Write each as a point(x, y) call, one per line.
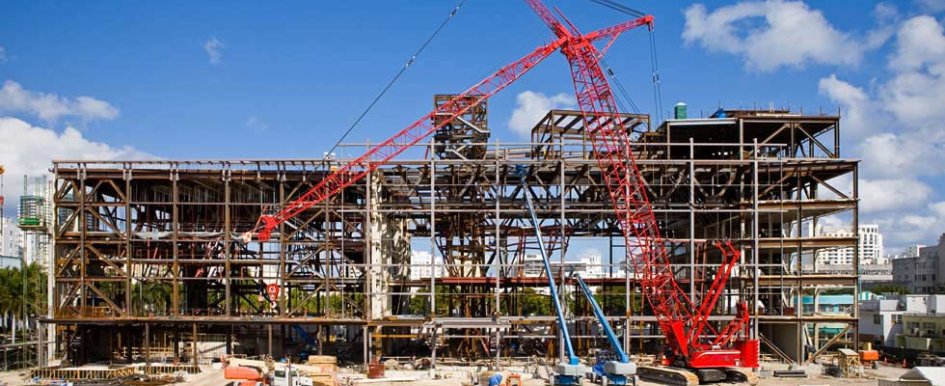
point(870, 247)
point(421, 265)
point(881, 321)
point(906, 318)
point(11, 239)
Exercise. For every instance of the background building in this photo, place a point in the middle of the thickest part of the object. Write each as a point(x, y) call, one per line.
point(870, 245)
point(922, 274)
point(880, 321)
point(923, 323)
point(421, 265)
point(11, 239)
point(910, 251)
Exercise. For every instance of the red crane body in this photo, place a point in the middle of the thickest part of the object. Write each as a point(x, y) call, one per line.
point(685, 325)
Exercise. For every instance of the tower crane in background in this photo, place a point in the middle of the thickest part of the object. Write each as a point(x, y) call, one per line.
point(690, 351)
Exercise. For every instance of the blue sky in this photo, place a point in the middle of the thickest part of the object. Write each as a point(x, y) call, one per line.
point(290, 77)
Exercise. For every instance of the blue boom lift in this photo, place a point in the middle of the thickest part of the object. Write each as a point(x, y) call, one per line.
point(570, 373)
point(616, 371)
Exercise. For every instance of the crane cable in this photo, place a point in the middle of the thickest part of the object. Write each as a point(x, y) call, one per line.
point(623, 90)
point(620, 7)
point(397, 77)
point(654, 63)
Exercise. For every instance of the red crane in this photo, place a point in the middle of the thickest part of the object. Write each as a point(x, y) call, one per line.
point(686, 327)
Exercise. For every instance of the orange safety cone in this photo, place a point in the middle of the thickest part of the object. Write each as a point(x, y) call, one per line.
point(904, 363)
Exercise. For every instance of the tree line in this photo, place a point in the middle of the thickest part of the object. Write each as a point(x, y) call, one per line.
point(14, 301)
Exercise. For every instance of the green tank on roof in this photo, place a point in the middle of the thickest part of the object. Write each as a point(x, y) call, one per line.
point(679, 111)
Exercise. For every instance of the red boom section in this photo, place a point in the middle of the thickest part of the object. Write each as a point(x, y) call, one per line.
point(683, 323)
point(611, 144)
point(611, 147)
point(357, 169)
point(625, 184)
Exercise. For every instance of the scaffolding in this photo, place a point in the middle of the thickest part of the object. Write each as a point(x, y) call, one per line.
point(152, 247)
point(34, 218)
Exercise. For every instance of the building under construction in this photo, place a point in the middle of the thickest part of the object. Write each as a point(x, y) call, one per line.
point(149, 261)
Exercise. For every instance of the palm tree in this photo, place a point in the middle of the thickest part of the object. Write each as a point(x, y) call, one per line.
point(150, 297)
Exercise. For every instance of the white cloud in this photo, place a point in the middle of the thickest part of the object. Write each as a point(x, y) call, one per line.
point(938, 209)
point(916, 92)
point(932, 5)
point(257, 124)
point(859, 115)
point(919, 43)
point(898, 132)
point(29, 150)
point(911, 228)
point(832, 223)
point(213, 47)
point(531, 106)
point(905, 154)
point(772, 34)
point(892, 194)
point(843, 183)
point(50, 107)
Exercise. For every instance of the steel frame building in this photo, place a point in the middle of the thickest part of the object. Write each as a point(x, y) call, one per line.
point(149, 251)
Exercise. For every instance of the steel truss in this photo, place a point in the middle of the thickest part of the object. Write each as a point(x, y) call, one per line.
point(156, 243)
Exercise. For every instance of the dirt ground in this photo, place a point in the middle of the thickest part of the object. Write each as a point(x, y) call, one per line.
point(457, 376)
point(461, 376)
point(815, 376)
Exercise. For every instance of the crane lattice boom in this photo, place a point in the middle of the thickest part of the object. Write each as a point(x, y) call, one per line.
point(681, 321)
point(357, 169)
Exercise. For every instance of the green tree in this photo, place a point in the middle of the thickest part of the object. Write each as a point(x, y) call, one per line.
point(612, 300)
point(419, 304)
point(151, 297)
point(534, 304)
point(890, 289)
point(14, 302)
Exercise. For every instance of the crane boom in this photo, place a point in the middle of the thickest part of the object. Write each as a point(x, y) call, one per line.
point(625, 184)
point(562, 324)
point(602, 319)
point(360, 167)
point(679, 319)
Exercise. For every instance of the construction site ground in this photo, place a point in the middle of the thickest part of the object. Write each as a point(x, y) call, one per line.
point(463, 376)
